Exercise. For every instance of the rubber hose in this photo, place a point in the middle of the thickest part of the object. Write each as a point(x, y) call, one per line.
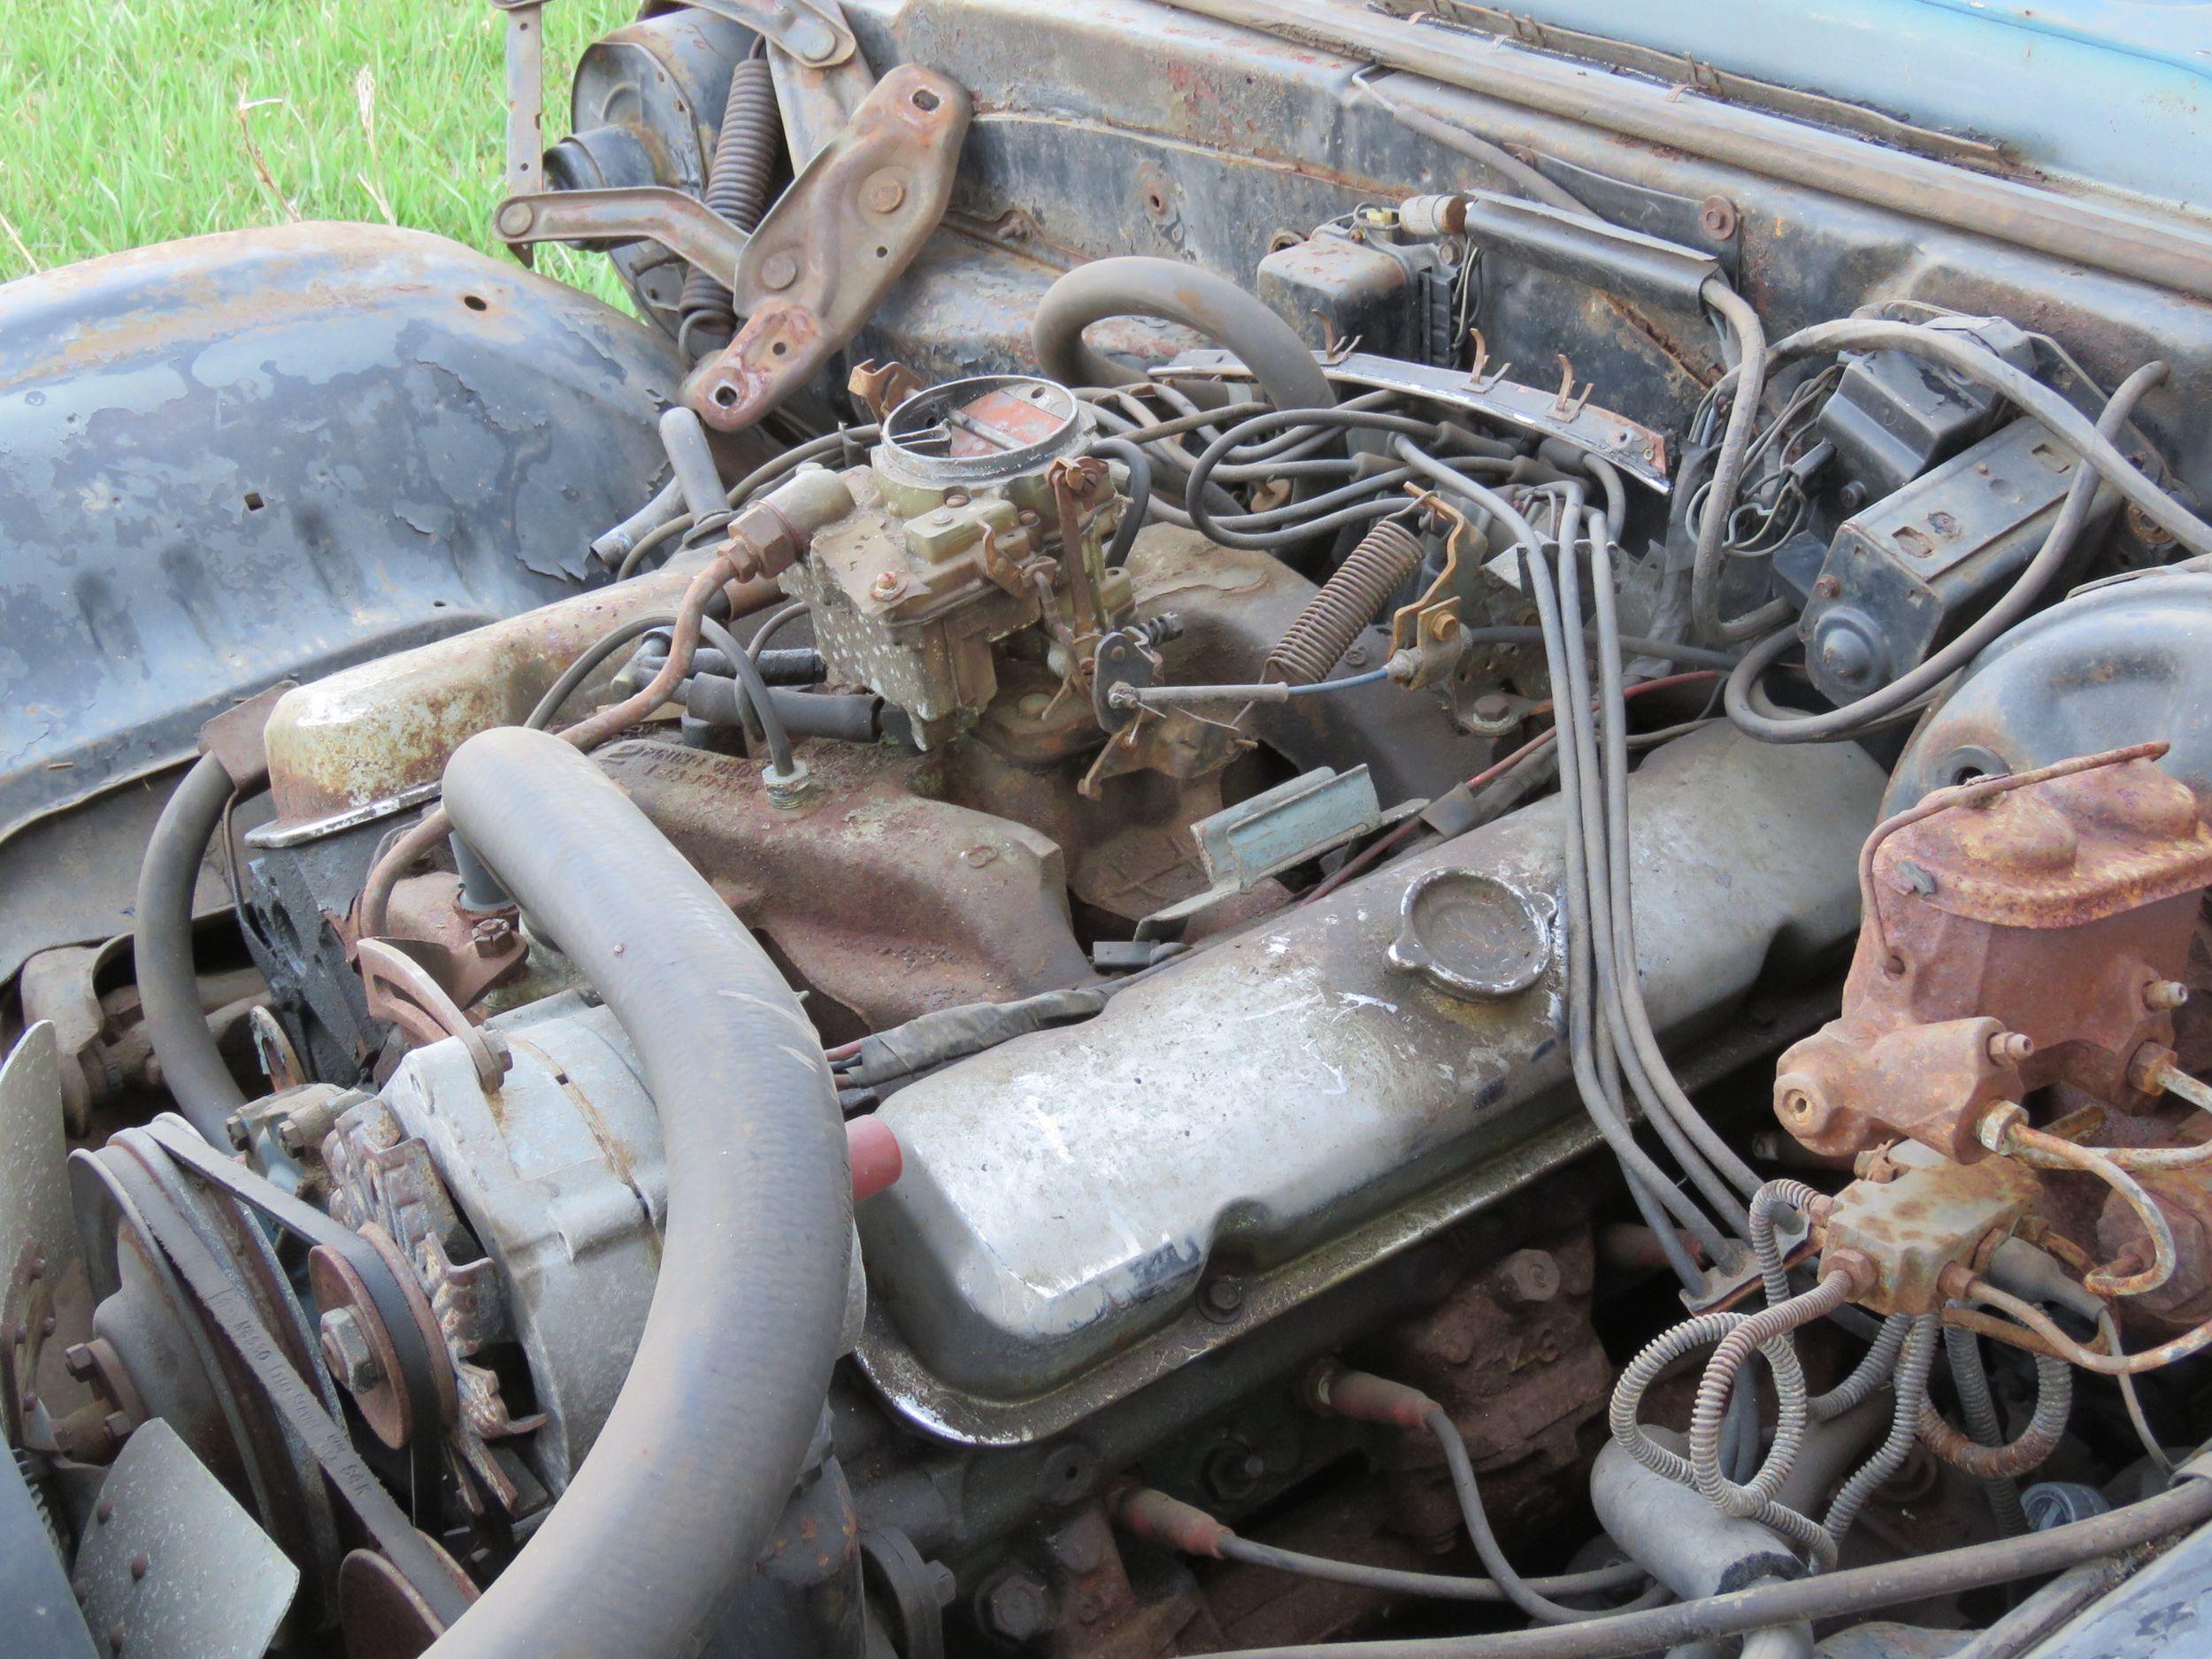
point(1140, 287)
point(744, 161)
point(192, 1066)
point(696, 1460)
point(1387, 557)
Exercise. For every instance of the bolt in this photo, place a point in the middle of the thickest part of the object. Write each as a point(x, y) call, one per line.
point(779, 271)
point(1827, 587)
point(1221, 1299)
point(940, 519)
point(1016, 1606)
point(883, 193)
point(1526, 1279)
point(1026, 517)
point(956, 498)
point(1716, 218)
point(76, 1359)
point(515, 217)
point(346, 1350)
point(1492, 706)
point(2010, 1048)
point(888, 585)
point(488, 937)
point(2163, 996)
point(1357, 657)
point(1034, 705)
point(1852, 496)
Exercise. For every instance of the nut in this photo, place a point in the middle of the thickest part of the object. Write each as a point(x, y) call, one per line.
point(2010, 1048)
point(1221, 1298)
point(345, 1351)
point(489, 936)
point(1527, 1278)
point(888, 585)
point(1016, 1606)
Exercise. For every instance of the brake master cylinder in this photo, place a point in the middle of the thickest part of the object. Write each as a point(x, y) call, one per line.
point(979, 532)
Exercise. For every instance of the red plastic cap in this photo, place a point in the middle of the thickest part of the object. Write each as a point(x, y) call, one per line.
point(876, 1159)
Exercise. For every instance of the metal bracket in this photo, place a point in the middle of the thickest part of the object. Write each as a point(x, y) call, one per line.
point(401, 990)
point(834, 244)
point(1245, 844)
point(680, 223)
point(1637, 449)
point(525, 99)
point(811, 32)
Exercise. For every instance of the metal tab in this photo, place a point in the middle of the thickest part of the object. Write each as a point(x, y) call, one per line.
point(1244, 844)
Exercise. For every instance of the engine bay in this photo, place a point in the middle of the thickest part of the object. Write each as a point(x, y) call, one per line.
point(1286, 829)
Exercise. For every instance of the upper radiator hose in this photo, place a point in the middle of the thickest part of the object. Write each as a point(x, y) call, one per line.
point(1138, 287)
point(678, 1495)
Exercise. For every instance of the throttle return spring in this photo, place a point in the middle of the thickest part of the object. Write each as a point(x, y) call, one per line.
point(737, 188)
point(1386, 556)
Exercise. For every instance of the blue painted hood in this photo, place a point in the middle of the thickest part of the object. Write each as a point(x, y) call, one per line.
point(2116, 93)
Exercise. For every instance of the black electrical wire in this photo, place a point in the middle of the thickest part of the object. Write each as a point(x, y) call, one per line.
point(766, 714)
point(1140, 493)
point(598, 651)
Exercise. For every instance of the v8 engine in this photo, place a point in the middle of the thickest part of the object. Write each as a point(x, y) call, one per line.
point(1279, 828)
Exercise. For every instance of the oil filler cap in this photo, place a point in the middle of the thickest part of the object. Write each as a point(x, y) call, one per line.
point(1470, 936)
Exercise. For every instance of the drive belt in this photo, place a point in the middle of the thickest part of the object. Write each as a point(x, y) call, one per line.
point(424, 1566)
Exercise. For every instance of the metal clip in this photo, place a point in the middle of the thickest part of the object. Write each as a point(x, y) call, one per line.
point(1477, 380)
point(1566, 406)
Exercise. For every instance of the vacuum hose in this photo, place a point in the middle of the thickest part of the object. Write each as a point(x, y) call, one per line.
point(679, 1494)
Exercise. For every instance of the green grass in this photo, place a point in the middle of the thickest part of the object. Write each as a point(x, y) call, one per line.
point(133, 121)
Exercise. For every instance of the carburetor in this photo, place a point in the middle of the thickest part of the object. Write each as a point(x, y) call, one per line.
point(981, 533)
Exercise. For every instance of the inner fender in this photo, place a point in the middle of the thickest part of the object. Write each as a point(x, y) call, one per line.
point(264, 454)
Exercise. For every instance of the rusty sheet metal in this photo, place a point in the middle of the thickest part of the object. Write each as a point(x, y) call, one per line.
point(886, 903)
point(264, 454)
